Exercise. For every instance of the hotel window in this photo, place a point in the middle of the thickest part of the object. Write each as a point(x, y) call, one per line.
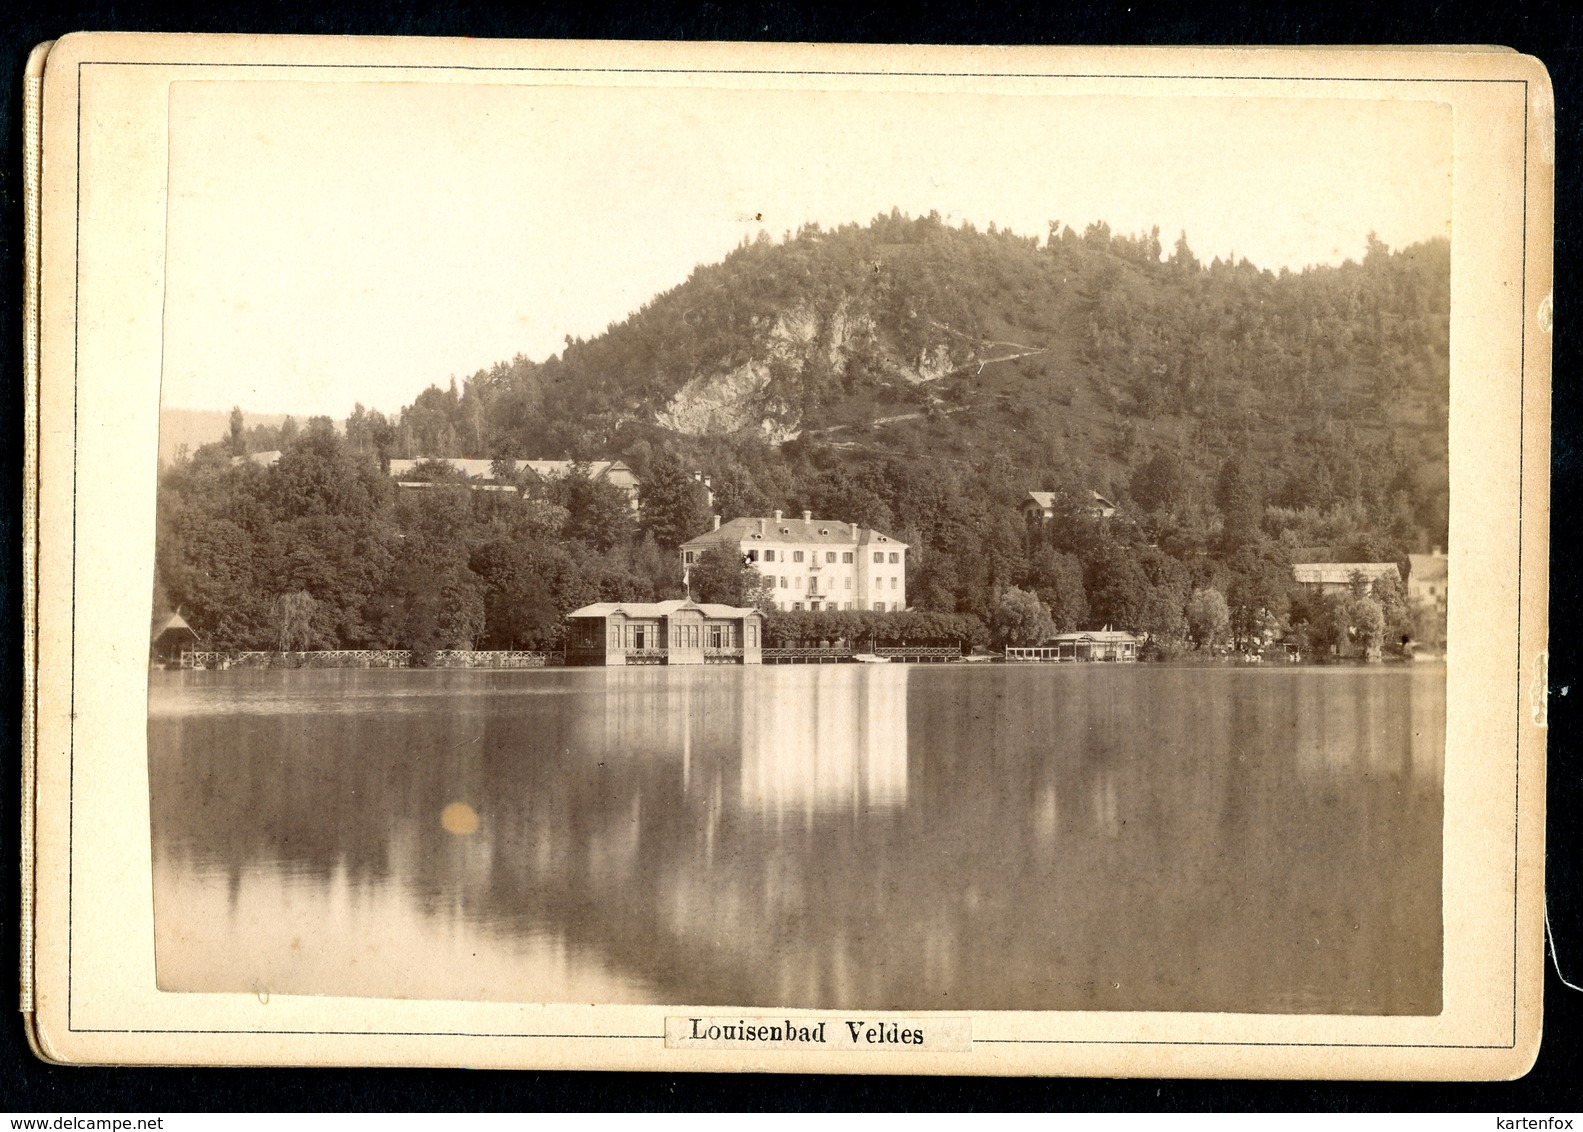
point(799, 581)
point(893, 583)
point(879, 607)
point(769, 556)
point(753, 556)
point(846, 556)
point(895, 557)
point(849, 581)
point(796, 605)
point(687, 557)
point(879, 556)
point(783, 581)
point(829, 556)
point(796, 556)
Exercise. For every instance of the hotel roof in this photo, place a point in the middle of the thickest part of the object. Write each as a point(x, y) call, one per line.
point(801, 531)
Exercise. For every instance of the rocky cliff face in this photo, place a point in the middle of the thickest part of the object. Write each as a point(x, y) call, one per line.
point(766, 393)
point(738, 400)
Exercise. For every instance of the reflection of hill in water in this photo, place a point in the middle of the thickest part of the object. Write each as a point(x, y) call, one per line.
point(1082, 837)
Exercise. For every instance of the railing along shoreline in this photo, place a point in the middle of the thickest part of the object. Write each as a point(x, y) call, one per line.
point(369, 658)
point(804, 654)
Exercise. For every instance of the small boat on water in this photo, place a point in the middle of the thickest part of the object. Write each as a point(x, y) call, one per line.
point(870, 658)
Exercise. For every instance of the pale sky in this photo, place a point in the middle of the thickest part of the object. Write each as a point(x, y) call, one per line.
point(330, 243)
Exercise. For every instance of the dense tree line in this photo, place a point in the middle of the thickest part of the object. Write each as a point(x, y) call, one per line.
point(322, 550)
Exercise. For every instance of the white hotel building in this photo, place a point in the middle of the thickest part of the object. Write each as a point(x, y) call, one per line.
point(815, 563)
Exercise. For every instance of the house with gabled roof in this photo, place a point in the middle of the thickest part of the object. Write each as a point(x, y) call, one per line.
point(614, 472)
point(1336, 577)
point(169, 636)
point(1039, 506)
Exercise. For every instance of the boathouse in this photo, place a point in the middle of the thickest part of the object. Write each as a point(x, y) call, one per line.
point(170, 636)
point(1112, 645)
point(663, 632)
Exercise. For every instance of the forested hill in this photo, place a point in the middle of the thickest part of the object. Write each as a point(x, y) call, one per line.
point(906, 376)
point(1076, 356)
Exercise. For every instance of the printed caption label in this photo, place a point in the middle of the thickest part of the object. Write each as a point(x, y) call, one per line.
point(864, 1033)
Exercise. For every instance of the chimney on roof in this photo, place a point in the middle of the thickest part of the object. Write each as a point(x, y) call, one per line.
point(717, 522)
point(777, 516)
point(761, 527)
point(807, 516)
point(854, 527)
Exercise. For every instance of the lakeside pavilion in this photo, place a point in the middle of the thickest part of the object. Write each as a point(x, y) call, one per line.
point(1113, 645)
point(663, 632)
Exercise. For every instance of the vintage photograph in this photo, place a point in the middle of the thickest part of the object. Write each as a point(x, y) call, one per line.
point(802, 549)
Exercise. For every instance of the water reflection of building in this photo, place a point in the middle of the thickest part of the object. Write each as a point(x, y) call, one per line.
point(1353, 721)
point(829, 738)
point(816, 738)
point(649, 714)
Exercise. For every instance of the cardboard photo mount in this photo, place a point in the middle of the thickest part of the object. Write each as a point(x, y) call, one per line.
point(98, 141)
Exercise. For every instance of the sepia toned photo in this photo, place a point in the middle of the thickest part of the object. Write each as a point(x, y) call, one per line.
point(637, 554)
point(673, 563)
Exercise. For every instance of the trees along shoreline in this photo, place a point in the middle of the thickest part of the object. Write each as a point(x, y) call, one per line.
point(321, 549)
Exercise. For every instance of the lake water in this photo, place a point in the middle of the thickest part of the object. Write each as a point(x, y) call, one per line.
point(1086, 837)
